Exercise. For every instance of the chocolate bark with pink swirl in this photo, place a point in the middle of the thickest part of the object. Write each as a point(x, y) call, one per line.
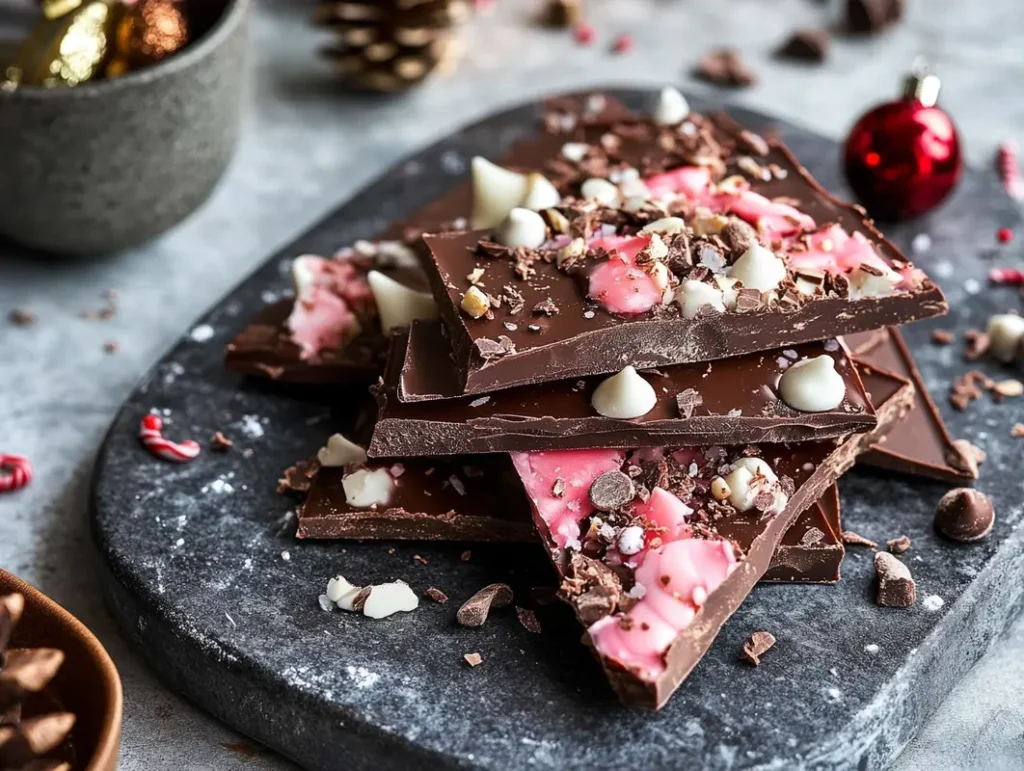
point(657, 548)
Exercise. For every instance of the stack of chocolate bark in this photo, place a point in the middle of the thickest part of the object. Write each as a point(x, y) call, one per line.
point(650, 342)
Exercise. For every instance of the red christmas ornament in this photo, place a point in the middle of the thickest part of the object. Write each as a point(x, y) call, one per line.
point(903, 158)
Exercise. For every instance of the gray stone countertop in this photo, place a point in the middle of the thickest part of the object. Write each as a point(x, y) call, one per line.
point(306, 147)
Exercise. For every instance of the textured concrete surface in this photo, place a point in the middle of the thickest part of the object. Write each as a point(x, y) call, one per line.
point(306, 148)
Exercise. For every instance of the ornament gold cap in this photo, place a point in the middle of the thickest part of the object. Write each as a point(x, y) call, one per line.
point(921, 84)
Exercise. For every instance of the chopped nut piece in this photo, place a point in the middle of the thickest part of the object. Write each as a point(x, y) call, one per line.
point(436, 595)
point(474, 611)
point(856, 539)
point(475, 303)
point(474, 659)
point(1017, 431)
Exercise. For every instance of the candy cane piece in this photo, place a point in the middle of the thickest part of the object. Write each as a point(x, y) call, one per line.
point(15, 472)
point(178, 452)
point(1009, 170)
point(1006, 276)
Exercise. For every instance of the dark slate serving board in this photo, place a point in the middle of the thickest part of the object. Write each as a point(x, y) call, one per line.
point(196, 575)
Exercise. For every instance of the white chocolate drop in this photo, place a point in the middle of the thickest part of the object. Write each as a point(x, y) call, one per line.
point(749, 477)
point(813, 385)
point(387, 599)
point(694, 295)
point(873, 281)
point(672, 107)
point(540, 193)
point(496, 190)
point(365, 488)
point(1006, 332)
point(339, 451)
point(522, 227)
point(600, 190)
point(625, 395)
point(398, 305)
point(758, 268)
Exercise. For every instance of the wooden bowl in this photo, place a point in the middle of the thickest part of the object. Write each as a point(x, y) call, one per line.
point(87, 684)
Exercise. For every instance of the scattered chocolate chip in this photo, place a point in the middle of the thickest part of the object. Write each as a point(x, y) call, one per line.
point(21, 317)
point(688, 401)
point(806, 45)
point(473, 612)
point(966, 457)
point(976, 344)
point(435, 594)
point(612, 490)
point(868, 17)
point(111, 347)
point(528, 619)
point(896, 587)
point(725, 67)
point(942, 336)
point(964, 515)
point(855, 539)
point(466, 555)
point(474, 659)
point(220, 443)
point(898, 545)
point(546, 307)
point(756, 646)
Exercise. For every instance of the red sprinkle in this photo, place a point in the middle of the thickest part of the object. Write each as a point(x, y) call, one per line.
point(623, 44)
point(584, 34)
point(1004, 235)
point(15, 472)
point(1006, 276)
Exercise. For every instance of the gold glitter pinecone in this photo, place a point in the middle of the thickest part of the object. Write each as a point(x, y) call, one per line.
point(390, 45)
point(24, 673)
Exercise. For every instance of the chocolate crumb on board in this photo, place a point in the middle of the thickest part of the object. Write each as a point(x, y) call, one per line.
point(474, 659)
point(976, 344)
point(898, 545)
point(474, 611)
point(528, 620)
point(466, 555)
point(756, 646)
point(966, 389)
point(436, 595)
point(1017, 431)
point(868, 17)
point(220, 443)
point(942, 336)
point(856, 539)
point(298, 478)
point(896, 587)
point(21, 317)
point(111, 347)
point(724, 67)
point(805, 45)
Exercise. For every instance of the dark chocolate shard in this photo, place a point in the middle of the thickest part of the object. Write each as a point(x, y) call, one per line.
point(475, 610)
point(758, 644)
point(807, 45)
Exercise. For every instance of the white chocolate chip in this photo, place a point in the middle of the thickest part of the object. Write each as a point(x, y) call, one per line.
point(365, 488)
point(747, 479)
point(758, 268)
point(522, 227)
point(540, 193)
point(1006, 333)
point(624, 396)
point(475, 303)
point(387, 599)
point(630, 540)
point(813, 385)
point(872, 281)
point(575, 151)
point(339, 451)
point(694, 295)
point(573, 250)
point(341, 592)
point(600, 190)
point(671, 108)
point(398, 305)
point(667, 226)
point(496, 191)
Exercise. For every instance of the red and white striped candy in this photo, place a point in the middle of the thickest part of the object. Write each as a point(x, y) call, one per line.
point(178, 452)
point(1009, 170)
point(1006, 276)
point(15, 472)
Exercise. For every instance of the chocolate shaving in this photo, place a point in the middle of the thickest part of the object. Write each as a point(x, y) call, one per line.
point(725, 67)
point(473, 612)
point(687, 401)
point(856, 539)
point(514, 298)
point(528, 620)
point(435, 594)
point(748, 300)
point(756, 646)
point(896, 587)
point(898, 545)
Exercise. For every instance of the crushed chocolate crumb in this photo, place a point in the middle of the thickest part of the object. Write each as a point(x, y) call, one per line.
point(942, 336)
point(965, 389)
point(725, 67)
point(111, 347)
point(436, 595)
point(528, 619)
point(21, 317)
point(896, 587)
point(898, 545)
point(298, 478)
point(687, 401)
point(1017, 431)
point(756, 646)
point(806, 45)
point(220, 443)
point(474, 611)
point(474, 659)
point(856, 539)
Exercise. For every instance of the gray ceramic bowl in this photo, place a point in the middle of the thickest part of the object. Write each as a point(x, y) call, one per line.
point(110, 164)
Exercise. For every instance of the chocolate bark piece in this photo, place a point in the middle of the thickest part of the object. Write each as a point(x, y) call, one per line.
point(461, 499)
point(811, 551)
point(920, 445)
point(738, 399)
point(648, 639)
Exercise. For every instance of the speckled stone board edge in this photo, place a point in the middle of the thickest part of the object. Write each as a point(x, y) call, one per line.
point(203, 573)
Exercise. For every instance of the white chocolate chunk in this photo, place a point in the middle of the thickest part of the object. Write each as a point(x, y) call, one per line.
point(341, 592)
point(672, 107)
point(540, 193)
point(660, 276)
point(496, 191)
point(1006, 333)
point(666, 226)
point(624, 396)
point(475, 303)
point(522, 227)
point(365, 488)
point(812, 385)
point(630, 540)
point(600, 190)
point(694, 295)
point(575, 151)
point(398, 305)
point(758, 268)
point(871, 281)
point(339, 451)
point(749, 477)
point(387, 599)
